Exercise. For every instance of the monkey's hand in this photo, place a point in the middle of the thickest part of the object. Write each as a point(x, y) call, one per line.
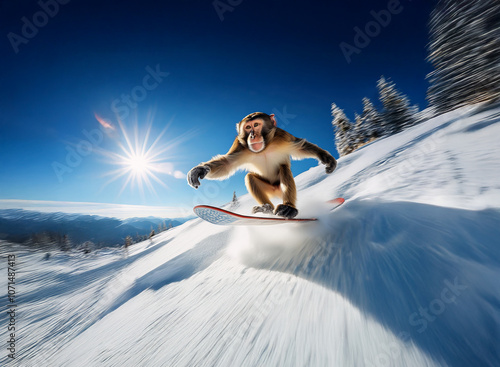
point(196, 174)
point(329, 162)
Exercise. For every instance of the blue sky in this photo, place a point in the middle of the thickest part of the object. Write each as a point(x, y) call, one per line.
point(186, 67)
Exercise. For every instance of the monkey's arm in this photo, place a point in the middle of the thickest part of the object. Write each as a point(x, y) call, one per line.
point(303, 149)
point(218, 168)
point(223, 166)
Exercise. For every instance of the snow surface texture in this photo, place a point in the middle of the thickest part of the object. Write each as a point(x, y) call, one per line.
point(405, 273)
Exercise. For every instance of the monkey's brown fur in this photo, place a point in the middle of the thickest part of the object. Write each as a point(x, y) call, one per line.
point(270, 174)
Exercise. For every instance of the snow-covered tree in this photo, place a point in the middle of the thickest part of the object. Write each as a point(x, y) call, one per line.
point(368, 125)
point(359, 136)
point(139, 238)
point(371, 117)
point(50, 239)
point(128, 241)
point(372, 124)
point(65, 243)
point(87, 247)
point(397, 114)
point(234, 203)
point(343, 131)
point(464, 49)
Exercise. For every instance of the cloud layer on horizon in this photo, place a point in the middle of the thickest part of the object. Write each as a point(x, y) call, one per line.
point(102, 209)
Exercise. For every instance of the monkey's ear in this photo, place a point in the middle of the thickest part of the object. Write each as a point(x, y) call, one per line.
point(273, 119)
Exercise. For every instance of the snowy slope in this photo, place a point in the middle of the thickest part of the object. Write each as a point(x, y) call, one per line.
point(405, 273)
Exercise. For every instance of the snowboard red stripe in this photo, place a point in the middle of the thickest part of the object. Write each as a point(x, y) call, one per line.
point(220, 216)
point(241, 216)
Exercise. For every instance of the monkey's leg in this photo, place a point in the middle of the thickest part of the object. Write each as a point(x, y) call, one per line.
point(261, 192)
point(287, 183)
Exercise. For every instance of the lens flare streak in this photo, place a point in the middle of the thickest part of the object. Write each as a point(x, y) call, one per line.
point(142, 160)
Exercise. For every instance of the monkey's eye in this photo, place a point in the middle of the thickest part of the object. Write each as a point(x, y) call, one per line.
point(256, 124)
point(248, 127)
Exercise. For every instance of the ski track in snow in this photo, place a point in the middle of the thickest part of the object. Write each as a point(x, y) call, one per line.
point(405, 273)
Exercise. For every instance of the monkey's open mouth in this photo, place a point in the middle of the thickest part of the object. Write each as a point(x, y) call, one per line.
point(257, 146)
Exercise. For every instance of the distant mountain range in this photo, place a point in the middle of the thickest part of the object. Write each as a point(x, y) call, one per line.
point(19, 226)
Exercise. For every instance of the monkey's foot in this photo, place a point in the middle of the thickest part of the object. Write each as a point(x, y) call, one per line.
point(287, 211)
point(265, 208)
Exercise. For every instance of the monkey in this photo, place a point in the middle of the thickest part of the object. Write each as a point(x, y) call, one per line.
point(264, 150)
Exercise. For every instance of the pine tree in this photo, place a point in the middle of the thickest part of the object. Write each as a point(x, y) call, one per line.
point(368, 125)
point(234, 203)
point(397, 114)
point(371, 117)
point(343, 131)
point(128, 241)
point(358, 132)
point(464, 49)
point(65, 244)
point(87, 247)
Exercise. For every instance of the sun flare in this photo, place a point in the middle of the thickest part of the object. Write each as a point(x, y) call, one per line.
point(138, 163)
point(141, 160)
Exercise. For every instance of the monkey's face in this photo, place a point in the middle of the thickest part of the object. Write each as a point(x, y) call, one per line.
point(255, 135)
point(256, 131)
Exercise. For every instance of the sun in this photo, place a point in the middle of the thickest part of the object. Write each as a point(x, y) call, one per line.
point(138, 163)
point(142, 160)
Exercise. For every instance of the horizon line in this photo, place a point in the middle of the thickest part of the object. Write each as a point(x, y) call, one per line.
point(120, 211)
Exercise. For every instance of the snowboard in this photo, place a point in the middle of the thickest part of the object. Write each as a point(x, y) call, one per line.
point(223, 217)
